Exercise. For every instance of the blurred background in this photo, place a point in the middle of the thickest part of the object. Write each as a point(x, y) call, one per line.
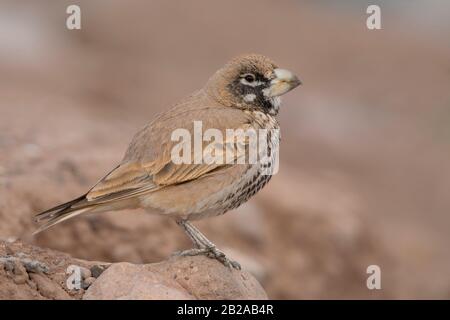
point(364, 176)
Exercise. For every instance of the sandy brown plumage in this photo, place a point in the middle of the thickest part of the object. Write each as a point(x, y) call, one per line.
point(243, 94)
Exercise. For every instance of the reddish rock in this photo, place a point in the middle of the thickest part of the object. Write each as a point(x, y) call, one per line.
point(177, 278)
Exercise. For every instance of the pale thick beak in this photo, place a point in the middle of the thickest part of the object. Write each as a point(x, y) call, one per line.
point(283, 82)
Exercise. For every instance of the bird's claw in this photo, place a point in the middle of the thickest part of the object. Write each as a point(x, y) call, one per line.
point(210, 252)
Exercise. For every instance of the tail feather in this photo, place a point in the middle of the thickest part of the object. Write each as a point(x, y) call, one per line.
point(60, 218)
point(63, 212)
point(87, 202)
point(50, 213)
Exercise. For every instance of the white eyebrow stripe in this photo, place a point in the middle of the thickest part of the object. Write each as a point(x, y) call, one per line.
point(251, 84)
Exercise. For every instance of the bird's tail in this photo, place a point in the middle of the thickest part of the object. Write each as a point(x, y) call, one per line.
point(63, 212)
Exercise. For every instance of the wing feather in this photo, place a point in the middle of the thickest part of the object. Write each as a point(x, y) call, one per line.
point(147, 166)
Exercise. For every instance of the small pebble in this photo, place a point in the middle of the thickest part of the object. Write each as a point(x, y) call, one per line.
point(8, 265)
point(21, 279)
point(19, 269)
point(85, 273)
point(35, 266)
point(87, 282)
point(97, 270)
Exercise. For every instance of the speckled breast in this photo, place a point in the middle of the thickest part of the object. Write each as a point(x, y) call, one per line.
point(257, 175)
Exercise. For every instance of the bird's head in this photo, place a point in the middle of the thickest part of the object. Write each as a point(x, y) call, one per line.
point(252, 82)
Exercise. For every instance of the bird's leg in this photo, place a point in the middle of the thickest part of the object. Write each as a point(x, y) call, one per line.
point(199, 240)
point(203, 246)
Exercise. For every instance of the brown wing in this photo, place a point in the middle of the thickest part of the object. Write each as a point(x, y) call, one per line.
point(127, 180)
point(147, 165)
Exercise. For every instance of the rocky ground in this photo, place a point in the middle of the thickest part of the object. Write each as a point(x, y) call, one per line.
point(29, 272)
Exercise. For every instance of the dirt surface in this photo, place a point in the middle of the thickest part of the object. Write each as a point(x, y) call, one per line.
point(364, 166)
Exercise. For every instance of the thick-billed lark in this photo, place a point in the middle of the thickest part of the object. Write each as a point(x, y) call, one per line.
point(244, 94)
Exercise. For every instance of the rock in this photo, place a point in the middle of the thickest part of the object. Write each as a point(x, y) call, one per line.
point(127, 281)
point(20, 273)
point(34, 266)
point(85, 272)
point(23, 263)
point(19, 268)
point(22, 277)
point(97, 270)
point(208, 279)
point(47, 288)
point(7, 263)
point(178, 278)
point(88, 282)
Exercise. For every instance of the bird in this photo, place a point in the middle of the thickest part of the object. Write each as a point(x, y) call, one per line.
point(243, 94)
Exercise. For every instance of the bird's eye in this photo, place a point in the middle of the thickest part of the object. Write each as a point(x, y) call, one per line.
point(249, 78)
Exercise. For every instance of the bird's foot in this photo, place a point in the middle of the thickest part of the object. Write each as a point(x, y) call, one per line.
point(190, 252)
point(213, 253)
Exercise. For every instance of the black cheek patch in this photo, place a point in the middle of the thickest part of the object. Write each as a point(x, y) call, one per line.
point(263, 102)
point(241, 90)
